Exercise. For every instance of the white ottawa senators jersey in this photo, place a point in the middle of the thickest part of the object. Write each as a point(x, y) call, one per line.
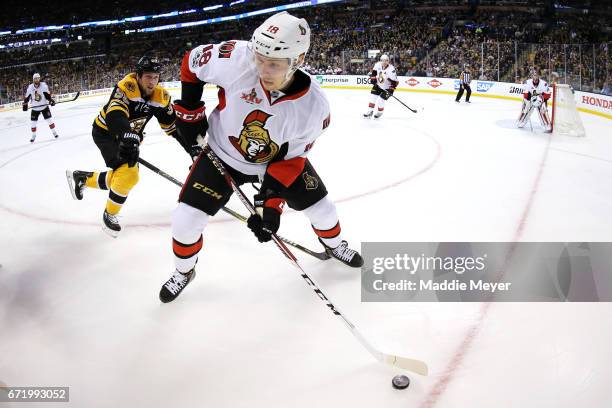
point(541, 89)
point(250, 125)
point(385, 77)
point(38, 101)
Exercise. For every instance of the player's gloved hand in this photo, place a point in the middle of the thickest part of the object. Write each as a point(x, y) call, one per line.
point(269, 207)
point(24, 107)
point(536, 100)
point(129, 143)
point(195, 151)
point(190, 123)
point(389, 92)
point(52, 102)
point(373, 80)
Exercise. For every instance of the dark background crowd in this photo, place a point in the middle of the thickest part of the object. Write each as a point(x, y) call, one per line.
point(566, 41)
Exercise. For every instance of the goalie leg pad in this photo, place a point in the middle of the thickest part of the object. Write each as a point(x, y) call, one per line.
point(544, 118)
point(525, 113)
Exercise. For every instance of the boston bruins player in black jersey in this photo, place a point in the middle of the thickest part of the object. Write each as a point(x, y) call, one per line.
point(118, 132)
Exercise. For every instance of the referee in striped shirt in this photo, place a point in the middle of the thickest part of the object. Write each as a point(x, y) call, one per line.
point(464, 79)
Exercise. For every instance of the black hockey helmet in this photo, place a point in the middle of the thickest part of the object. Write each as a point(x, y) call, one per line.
point(148, 64)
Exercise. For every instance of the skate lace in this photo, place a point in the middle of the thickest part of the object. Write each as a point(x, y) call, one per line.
point(344, 252)
point(80, 183)
point(176, 282)
point(112, 218)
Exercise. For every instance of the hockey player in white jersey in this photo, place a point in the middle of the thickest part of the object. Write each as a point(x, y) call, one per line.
point(269, 115)
point(39, 97)
point(535, 95)
point(384, 81)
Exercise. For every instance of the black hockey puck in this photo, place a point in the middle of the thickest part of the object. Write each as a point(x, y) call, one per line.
point(400, 382)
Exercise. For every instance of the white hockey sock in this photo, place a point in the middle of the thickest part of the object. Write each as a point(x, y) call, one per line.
point(33, 126)
point(372, 102)
point(381, 104)
point(324, 220)
point(51, 125)
point(187, 226)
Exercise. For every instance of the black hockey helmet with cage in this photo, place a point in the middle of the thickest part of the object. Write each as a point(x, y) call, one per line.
point(148, 64)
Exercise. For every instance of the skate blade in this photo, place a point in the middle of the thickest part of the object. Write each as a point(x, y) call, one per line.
point(71, 184)
point(110, 232)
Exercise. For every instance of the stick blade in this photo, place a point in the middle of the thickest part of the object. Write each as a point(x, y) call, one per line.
point(410, 364)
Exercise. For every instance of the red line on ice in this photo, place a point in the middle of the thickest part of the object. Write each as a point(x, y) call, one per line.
point(462, 350)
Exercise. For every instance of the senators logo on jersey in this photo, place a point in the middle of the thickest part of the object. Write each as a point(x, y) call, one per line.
point(310, 182)
point(254, 142)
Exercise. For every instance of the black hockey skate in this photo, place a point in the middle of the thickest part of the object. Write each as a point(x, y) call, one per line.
point(110, 224)
point(76, 182)
point(344, 254)
point(368, 115)
point(175, 285)
point(378, 115)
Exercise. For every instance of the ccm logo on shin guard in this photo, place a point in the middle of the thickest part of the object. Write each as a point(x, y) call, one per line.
point(207, 190)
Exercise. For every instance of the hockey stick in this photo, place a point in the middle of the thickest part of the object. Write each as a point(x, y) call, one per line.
point(319, 255)
point(413, 365)
point(57, 103)
point(70, 100)
point(397, 99)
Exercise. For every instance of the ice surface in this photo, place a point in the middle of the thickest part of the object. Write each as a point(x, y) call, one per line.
point(80, 309)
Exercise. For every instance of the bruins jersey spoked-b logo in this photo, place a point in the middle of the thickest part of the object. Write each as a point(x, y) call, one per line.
point(254, 142)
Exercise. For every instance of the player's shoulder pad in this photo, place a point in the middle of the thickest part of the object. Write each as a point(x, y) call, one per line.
point(201, 54)
point(318, 97)
point(160, 97)
point(129, 87)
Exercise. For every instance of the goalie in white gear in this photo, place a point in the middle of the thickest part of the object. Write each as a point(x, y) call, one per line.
point(535, 95)
point(269, 115)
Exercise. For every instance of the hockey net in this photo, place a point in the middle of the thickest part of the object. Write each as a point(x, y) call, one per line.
point(565, 118)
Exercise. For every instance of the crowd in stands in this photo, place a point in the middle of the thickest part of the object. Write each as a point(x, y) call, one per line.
point(496, 43)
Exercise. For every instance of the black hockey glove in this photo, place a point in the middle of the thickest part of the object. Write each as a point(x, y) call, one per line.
point(52, 102)
point(25, 107)
point(195, 151)
point(269, 207)
point(190, 123)
point(129, 143)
